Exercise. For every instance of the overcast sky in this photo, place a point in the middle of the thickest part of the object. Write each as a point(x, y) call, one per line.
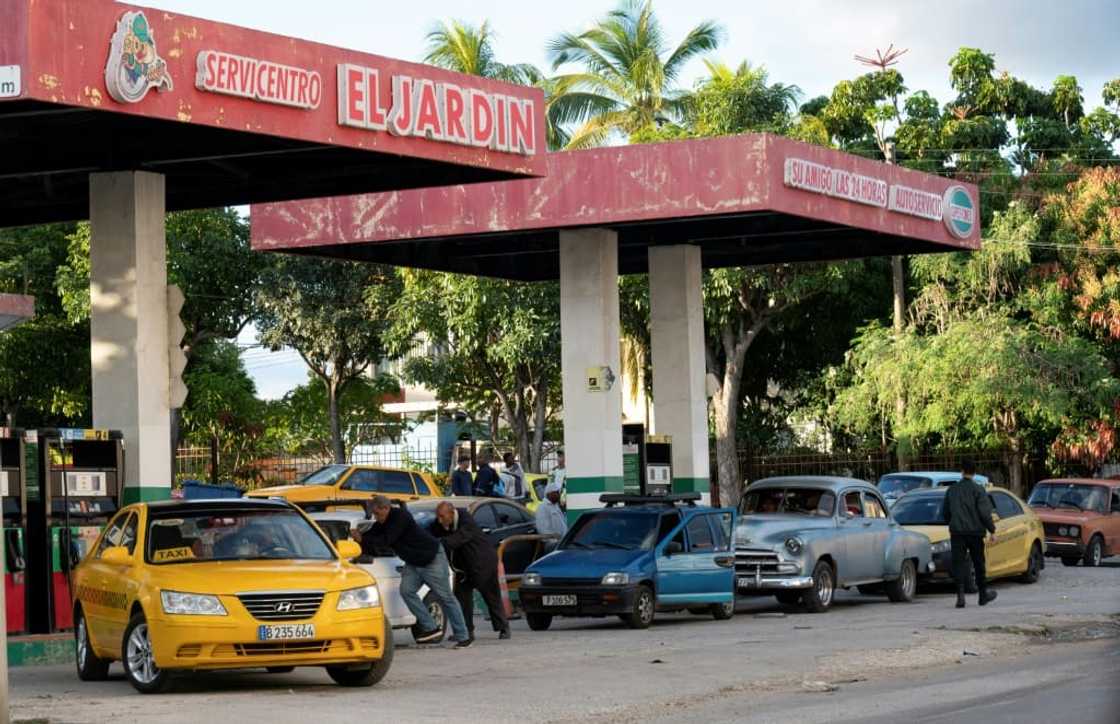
point(809, 43)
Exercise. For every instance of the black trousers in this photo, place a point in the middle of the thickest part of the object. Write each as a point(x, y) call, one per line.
point(964, 548)
point(491, 593)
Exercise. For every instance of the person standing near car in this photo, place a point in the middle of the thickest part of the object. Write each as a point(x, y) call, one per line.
point(550, 518)
point(559, 476)
point(486, 481)
point(424, 562)
point(475, 562)
point(462, 483)
point(513, 469)
point(968, 511)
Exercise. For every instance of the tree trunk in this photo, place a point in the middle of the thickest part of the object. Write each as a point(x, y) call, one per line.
point(338, 449)
point(726, 403)
point(1015, 467)
point(540, 405)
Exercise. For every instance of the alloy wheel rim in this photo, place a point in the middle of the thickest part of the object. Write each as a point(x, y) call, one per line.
point(824, 587)
point(729, 608)
point(645, 606)
point(1096, 558)
point(908, 579)
point(141, 663)
point(83, 643)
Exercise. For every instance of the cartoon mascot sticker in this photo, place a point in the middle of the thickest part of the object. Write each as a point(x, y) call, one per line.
point(134, 67)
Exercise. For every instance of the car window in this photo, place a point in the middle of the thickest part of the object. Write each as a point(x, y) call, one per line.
point(1115, 499)
point(113, 532)
point(1006, 506)
point(484, 516)
point(852, 505)
point(336, 530)
point(328, 475)
point(803, 501)
point(721, 530)
point(700, 535)
point(128, 535)
point(396, 481)
point(873, 506)
point(895, 486)
point(365, 481)
point(421, 485)
point(518, 515)
point(669, 521)
point(507, 515)
point(186, 536)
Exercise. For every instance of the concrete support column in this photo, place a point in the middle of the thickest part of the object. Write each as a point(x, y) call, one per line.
point(128, 325)
point(677, 328)
point(589, 330)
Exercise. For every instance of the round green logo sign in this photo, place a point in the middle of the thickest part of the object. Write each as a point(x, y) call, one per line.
point(959, 212)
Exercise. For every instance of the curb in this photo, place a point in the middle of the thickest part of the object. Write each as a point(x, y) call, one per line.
point(48, 650)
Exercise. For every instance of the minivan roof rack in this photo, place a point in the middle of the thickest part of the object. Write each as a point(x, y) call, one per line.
point(613, 499)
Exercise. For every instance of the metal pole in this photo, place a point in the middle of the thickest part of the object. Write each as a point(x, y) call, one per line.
point(4, 714)
point(898, 278)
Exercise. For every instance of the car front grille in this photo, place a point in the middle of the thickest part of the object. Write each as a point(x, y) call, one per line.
point(550, 581)
point(748, 560)
point(282, 605)
point(1051, 529)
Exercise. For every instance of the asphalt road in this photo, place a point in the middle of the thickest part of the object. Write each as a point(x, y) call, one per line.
point(1043, 652)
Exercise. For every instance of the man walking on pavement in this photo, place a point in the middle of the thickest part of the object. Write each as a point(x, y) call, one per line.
point(461, 481)
point(424, 562)
point(550, 519)
point(513, 468)
point(475, 563)
point(968, 511)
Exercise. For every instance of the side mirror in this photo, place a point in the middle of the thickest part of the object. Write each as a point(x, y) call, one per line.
point(116, 556)
point(348, 548)
point(673, 548)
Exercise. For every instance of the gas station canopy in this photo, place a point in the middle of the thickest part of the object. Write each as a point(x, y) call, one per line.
point(14, 309)
point(233, 116)
point(744, 200)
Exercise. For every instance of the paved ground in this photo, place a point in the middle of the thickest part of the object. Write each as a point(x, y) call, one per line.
point(1047, 652)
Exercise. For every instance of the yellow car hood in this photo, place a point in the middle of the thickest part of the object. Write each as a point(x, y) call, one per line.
point(296, 492)
point(232, 577)
point(935, 533)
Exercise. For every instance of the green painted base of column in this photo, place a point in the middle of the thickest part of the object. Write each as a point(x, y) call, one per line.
point(692, 485)
point(145, 494)
point(583, 493)
point(41, 650)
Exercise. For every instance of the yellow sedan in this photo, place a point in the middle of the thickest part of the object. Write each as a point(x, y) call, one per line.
point(353, 482)
point(1019, 541)
point(180, 586)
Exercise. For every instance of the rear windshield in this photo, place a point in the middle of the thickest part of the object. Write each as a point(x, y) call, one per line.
point(327, 475)
point(233, 535)
point(628, 531)
point(920, 510)
point(895, 486)
point(803, 501)
point(1082, 497)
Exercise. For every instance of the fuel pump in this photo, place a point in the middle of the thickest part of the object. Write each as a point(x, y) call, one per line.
point(647, 461)
point(13, 494)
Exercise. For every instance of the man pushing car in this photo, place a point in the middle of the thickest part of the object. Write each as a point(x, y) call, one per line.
point(424, 562)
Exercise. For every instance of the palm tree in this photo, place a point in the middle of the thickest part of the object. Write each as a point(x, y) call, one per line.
point(629, 73)
point(469, 49)
point(736, 100)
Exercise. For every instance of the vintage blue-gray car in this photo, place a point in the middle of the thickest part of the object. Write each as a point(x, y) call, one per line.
point(802, 537)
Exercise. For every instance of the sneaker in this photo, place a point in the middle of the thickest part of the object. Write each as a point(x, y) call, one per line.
point(429, 637)
point(960, 601)
point(987, 597)
point(504, 635)
point(464, 644)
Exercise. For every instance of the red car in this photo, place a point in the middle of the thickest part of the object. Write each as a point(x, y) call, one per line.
point(1081, 518)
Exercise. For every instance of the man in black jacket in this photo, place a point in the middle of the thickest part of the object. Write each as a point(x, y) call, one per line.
point(424, 562)
point(485, 479)
point(475, 563)
point(968, 511)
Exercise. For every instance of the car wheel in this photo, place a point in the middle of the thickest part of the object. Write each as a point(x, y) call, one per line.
point(1071, 562)
point(1094, 553)
point(280, 669)
point(138, 659)
point(723, 611)
point(1034, 565)
point(788, 598)
point(435, 610)
point(91, 667)
point(818, 598)
point(901, 589)
point(538, 621)
point(366, 675)
point(642, 614)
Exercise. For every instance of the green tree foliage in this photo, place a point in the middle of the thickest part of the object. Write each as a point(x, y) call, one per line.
point(469, 49)
point(335, 315)
point(628, 76)
point(486, 344)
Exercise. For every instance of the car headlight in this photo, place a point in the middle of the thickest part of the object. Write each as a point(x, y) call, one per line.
point(1063, 530)
point(940, 547)
point(1074, 531)
point(354, 598)
point(794, 545)
point(191, 604)
point(531, 579)
point(615, 579)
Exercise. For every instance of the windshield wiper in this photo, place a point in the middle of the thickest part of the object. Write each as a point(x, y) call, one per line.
point(576, 544)
point(1067, 504)
point(609, 544)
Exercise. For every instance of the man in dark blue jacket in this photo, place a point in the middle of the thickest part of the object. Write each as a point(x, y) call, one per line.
point(424, 562)
point(968, 511)
point(461, 481)
point(486, 479)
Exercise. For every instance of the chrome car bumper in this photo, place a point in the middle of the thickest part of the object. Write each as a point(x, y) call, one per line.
point(745, 582)
point(1066, 548)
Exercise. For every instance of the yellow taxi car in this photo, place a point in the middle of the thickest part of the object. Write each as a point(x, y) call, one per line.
point(1018, 547)
point(353, 482)
point(179, 586)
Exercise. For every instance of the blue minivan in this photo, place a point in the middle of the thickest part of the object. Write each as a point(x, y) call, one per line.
point(637, 556)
